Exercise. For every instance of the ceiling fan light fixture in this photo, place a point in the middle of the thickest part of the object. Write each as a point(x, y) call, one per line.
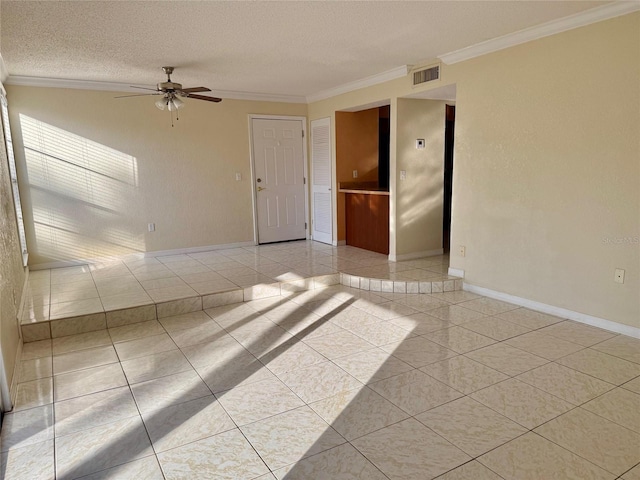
point(175, 103)
point(161, 103)
point(172, 92)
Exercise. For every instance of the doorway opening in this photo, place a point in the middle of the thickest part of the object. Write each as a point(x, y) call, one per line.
point(449, 135)
point(362, 175)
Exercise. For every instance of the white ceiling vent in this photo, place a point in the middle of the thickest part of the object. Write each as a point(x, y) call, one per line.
point(426, 75)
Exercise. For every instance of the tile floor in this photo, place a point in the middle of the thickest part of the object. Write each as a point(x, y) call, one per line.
point(136, 281)
point(333, 383)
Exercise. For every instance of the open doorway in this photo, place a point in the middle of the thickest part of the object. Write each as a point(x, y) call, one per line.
point(426, 137)
point(449, 134)
point(362, 175)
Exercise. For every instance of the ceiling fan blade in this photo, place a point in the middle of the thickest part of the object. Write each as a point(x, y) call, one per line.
point(196, 89)
point(138, 95)
point(208, 99)
point(144, 88)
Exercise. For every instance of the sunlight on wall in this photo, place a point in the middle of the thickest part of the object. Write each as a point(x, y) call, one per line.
point(422, 192)
point(74, 183)
point(420, 196)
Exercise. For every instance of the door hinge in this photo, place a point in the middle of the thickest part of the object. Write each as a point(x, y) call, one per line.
point(304, 181)
point(302, 133)
point(305, 225)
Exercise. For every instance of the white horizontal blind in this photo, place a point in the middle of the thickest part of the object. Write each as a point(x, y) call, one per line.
point(13, 177)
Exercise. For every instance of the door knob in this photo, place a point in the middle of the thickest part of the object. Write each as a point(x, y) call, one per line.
point(261, 188)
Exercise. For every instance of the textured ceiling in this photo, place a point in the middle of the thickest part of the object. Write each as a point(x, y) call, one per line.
point(285, 48)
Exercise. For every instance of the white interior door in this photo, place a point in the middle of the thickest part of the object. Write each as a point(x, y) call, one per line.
point(278, 158)
point(322, 218)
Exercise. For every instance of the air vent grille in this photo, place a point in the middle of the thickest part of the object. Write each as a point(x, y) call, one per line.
point(426, 75)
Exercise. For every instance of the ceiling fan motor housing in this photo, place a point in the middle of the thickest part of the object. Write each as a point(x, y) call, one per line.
point(169, 86)
point(171, 92)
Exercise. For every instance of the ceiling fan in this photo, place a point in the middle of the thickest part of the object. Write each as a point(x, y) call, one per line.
point(171, 93)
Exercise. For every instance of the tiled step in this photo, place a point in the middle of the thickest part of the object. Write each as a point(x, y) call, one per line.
point(41, 330)
point(34, 330)
point(446, 284)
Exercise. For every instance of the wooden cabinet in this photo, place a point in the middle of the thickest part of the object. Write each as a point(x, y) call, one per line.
point(367, 219)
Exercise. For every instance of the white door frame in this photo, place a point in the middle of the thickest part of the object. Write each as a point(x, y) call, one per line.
point(252, 159)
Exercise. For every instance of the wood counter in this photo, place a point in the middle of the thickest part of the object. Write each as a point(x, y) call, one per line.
point(367, 219)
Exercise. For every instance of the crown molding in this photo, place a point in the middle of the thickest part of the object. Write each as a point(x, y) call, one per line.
point(47, 82)
point(261, 97)
point(581, 19)
point(362, 83)
point(122, 87)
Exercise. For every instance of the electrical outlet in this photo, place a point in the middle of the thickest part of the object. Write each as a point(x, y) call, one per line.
point(618, 276)
point(463, 251)
point(355, 174)
point(403, 174)
point(238, 177)
point(151, 227)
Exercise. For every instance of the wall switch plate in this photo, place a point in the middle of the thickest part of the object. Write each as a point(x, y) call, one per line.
point(420, 143)
point(238, 177)
point(618, 276)
point(151, 227)
point(403, 174)
point(355, 174)
point(463, 250)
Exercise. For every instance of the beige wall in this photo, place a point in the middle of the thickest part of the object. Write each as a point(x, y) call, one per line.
point(546, 167)
point(12, 274)
point(114, 165)
point(419, 197)
point(547, 170)
point(356, 149)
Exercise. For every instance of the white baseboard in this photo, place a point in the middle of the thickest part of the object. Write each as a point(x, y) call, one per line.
point(157, 253)
point(456, 272)
point(61, 264)
point(8, 392)
point(557, 311)
point(10, 395)
point(181, 251)
point(414, 255)
point(13, 389)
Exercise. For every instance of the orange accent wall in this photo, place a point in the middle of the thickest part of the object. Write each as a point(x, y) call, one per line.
point(356, 149)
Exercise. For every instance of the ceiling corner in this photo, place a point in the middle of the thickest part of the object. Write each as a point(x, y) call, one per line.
point(597, 14)
point(376, 79)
